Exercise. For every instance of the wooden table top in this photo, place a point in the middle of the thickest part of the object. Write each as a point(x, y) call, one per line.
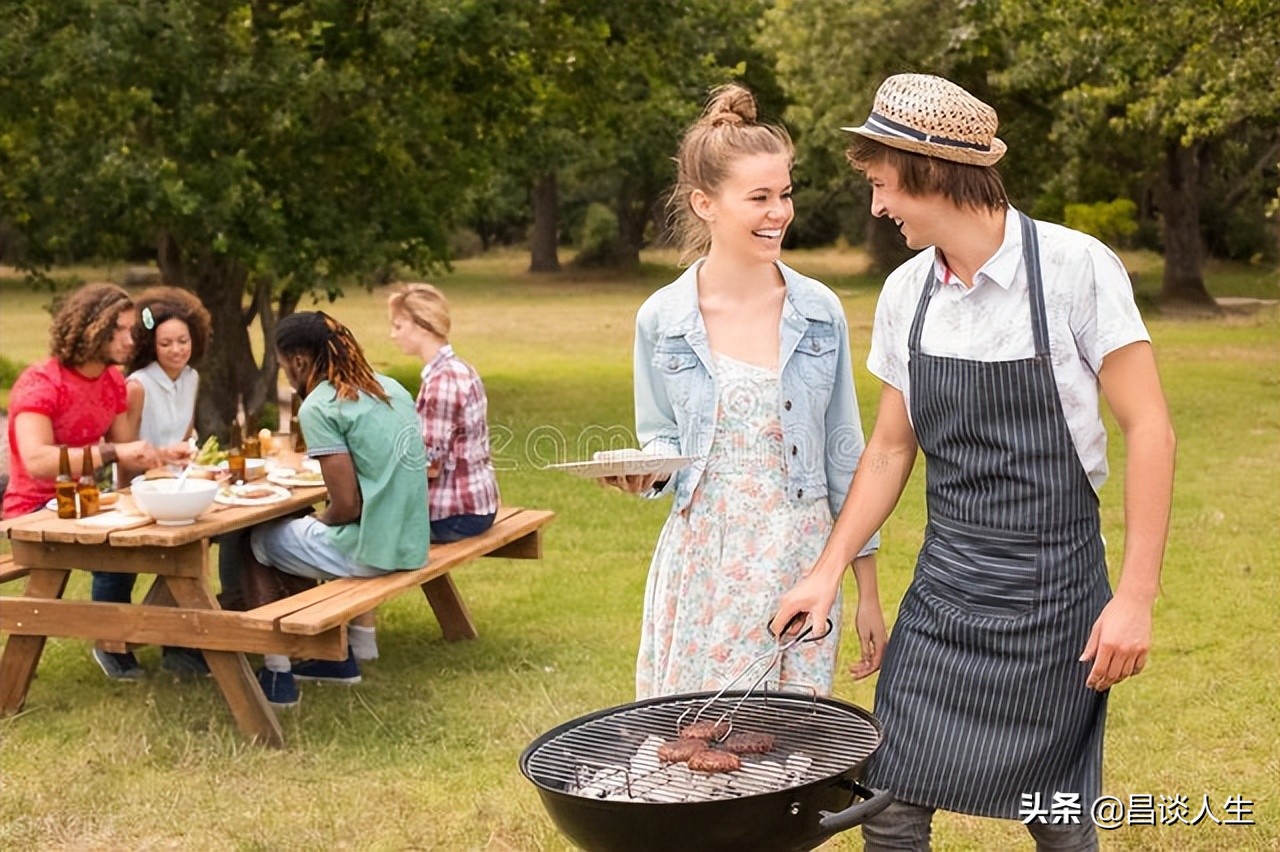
point(45, 525)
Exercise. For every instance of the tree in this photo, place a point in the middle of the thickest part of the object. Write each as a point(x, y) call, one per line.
point(1172, 81)
point(267, 149)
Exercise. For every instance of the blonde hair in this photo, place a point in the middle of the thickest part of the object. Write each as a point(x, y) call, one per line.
point(727, 131)
point(425, 305)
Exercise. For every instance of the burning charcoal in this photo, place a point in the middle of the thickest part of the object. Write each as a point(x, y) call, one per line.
point(714, 760)
point(749, 742)
point(705, 730)
point(678, 751)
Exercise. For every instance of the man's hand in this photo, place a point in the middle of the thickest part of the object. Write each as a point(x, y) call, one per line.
point(1119, 642)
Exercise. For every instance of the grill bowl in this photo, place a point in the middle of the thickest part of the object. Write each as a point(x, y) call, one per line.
point(838, 736)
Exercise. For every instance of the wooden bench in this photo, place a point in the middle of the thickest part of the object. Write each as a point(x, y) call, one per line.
point(515, 534)
point(9, 571)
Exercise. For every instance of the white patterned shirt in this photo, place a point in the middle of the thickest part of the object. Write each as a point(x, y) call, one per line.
point(1089, 306)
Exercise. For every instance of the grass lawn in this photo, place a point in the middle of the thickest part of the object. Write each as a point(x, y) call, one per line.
point(423, 753)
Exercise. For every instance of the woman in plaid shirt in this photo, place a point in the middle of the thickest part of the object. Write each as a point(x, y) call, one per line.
point(462, 494)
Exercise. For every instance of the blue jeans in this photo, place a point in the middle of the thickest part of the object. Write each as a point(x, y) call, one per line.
point(458, 527)
point(113, 588)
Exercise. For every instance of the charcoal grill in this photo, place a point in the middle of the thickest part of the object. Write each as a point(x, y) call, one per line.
point(599, 778)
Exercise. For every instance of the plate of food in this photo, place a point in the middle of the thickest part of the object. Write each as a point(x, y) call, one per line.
point(251, 494)
point(105, 499)
point(304, 478)
point(627, 462)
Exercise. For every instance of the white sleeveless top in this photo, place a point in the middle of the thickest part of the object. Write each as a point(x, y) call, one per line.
point(169, 405)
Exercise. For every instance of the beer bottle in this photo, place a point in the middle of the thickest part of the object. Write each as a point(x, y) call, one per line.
point(64, 487)
point(87, 487)
point(295, 427)
point(235, 452)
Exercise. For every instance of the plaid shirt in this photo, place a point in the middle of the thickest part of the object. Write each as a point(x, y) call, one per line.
point(455, 430)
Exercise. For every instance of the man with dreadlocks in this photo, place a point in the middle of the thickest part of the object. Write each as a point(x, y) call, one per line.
point(363, 429)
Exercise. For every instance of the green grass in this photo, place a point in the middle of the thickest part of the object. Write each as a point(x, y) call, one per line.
point(423, 753)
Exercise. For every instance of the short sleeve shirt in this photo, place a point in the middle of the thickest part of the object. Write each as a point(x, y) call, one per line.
point(386, 449)
point(81, 410)
point(1089, 306)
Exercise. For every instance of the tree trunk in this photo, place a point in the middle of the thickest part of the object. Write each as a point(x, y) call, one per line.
point(229, 375)
point(885, 245)
point(544, 242)
point(1177, 196)
point(633, 215)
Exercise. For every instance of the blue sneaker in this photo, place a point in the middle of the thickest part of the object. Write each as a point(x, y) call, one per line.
point(118, 666)
point(279, 687)
point(347, 671)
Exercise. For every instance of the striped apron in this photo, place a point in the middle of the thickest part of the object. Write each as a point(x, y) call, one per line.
point(981, 693)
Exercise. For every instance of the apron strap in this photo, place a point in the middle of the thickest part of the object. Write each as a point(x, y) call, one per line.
point(1035, 285)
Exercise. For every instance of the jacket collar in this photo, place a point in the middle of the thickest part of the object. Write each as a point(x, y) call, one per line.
point(681, 317)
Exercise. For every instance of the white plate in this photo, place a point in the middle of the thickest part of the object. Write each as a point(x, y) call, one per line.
point(228, 495)
point(113, 520)
point(625, 463)
point(288, 476)
point(52, 505)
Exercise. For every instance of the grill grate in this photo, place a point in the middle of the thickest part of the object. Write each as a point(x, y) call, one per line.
point(614, 755)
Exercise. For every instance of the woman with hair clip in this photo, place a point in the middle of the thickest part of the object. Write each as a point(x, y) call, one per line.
point(173, 329)
point(363, 430)
point(743, 363)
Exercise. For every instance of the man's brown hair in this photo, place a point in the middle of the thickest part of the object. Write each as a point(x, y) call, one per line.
point(965, 185)
point(84, 322)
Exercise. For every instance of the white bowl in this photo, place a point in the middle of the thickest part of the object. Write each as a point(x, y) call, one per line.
point(160, 499)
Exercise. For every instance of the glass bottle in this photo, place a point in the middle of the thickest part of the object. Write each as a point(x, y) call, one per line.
point(235, 453)
point(65, 487)
point(87, 487)
point(295, 427)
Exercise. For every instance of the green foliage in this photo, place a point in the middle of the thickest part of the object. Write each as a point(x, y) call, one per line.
point(9, 370)
point(1110, 221)
point(597, 238)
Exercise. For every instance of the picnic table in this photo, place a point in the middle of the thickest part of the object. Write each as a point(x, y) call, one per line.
point(182, 610)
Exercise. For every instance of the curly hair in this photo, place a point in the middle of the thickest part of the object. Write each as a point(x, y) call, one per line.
point(727, 130)
point(335, 355)
point(84, 322)
point(164, 304)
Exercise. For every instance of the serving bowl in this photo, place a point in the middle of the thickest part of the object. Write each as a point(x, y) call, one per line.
point(170, 505)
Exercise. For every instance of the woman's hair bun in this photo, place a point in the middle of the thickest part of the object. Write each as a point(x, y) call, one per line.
point(730, 104)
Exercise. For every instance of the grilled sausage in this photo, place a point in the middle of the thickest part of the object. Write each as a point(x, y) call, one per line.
point(749, 742)
point(714, 760)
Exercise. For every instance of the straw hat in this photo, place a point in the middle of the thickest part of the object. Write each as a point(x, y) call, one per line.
point(934, 117)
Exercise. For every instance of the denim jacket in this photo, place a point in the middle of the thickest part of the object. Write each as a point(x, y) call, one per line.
point(675, 388)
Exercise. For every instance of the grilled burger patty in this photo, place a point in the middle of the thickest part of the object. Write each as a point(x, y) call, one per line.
point(678, 751)
point(704, 730)
point(714, 760)
point(749, 742)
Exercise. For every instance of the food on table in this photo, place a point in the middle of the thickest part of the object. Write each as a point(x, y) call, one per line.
point(705, 730)
point(249, 492)
point(715, 760)
point(209, 452)
point(265, 440)
point(748, 742)
point(678, 751)
point(108, 498)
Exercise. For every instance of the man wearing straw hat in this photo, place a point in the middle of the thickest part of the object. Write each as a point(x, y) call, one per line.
point(992, 344)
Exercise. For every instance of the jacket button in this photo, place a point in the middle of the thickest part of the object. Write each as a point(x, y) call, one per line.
point(814, 346)
point(673, 363)
point(787, 405)
point(800, 493)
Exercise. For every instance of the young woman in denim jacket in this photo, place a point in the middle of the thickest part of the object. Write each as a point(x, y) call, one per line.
point(744, 364)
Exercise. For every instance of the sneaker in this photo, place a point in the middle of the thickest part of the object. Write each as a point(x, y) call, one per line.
point(347, 671)
point(184, 662)
point(279, 687)
point(118, 666)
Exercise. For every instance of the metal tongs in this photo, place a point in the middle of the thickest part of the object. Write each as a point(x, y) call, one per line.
point(771, 659)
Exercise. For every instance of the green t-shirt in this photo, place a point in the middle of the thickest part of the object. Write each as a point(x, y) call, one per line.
point(385, 445)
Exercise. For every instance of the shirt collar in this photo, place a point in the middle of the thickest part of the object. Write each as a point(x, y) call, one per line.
point(1001, 268)
point(445, 353)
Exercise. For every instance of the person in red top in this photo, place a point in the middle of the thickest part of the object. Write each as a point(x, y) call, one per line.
point(77, 397)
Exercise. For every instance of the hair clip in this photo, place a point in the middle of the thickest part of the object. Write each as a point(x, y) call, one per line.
point(148, 319)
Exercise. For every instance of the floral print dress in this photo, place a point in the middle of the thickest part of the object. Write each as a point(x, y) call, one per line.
point(721, 566)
